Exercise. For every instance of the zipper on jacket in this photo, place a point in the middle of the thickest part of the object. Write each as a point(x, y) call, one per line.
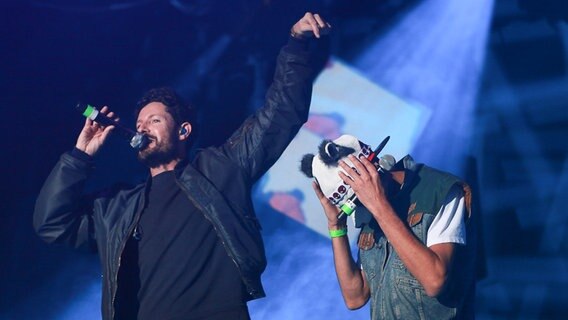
point(122, 245)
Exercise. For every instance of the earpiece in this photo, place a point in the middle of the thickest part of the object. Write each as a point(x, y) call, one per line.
point(182, 131)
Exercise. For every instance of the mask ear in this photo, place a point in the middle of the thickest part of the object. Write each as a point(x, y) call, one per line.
point(306, 165)
point(331, 152)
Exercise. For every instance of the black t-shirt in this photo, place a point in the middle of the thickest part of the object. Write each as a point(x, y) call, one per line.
point(175, 262)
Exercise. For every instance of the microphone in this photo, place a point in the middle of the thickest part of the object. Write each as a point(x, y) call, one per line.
point(137, 140)
point(384, 164)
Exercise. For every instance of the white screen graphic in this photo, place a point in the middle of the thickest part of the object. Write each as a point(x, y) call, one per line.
point(343, 102)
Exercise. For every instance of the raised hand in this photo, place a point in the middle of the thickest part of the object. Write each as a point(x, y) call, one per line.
point(310, 25)
point(93, 135)
point(331, 211)
point(365, 181)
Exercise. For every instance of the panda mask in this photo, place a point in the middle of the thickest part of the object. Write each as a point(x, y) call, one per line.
point(324, 166)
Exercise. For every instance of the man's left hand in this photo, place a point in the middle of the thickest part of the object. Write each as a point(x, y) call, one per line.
point(365, 182)
point(311, 25)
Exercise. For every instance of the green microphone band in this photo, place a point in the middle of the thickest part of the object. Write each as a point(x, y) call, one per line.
point(348, 207)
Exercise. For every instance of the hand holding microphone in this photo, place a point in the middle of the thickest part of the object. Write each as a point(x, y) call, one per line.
point(98, 126)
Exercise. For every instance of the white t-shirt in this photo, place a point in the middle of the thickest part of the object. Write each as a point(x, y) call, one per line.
point(449, 223)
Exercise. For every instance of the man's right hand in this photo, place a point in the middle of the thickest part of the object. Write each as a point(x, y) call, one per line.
point(331, 211)
point(93, 135)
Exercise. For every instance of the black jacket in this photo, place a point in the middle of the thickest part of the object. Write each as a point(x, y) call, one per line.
point(218, 181)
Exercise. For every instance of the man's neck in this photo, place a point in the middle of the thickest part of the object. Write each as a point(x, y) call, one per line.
point(398, 176)
point(395, 183)
point(164, 167)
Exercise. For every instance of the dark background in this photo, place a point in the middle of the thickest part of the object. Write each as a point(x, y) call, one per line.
point(220, 56)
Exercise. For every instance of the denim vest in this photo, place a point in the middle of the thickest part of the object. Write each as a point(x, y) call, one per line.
point(395, 292)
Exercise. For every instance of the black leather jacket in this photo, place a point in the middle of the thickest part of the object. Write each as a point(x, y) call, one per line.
point(218, 181)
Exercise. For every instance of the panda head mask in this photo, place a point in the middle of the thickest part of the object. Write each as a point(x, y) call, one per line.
point(324, 166)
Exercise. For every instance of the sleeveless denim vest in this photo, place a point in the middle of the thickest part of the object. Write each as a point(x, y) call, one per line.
point(395, 292)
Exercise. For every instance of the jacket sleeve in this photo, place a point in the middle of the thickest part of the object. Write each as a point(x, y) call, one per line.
point(264, 136)
point(62, 214)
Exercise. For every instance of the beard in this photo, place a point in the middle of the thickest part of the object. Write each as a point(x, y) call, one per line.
point(161, 153)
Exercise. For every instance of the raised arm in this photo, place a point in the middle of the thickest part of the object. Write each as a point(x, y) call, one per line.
point(61, 213)
point(262, 138)
point(351, 278)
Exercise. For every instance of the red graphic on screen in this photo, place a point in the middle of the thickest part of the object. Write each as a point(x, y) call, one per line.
point(326, 125)
point(288, 203)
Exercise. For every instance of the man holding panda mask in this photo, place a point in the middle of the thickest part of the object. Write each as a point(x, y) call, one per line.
point(415, 261)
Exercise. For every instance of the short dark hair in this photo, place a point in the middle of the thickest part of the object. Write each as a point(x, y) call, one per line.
point(180, 111)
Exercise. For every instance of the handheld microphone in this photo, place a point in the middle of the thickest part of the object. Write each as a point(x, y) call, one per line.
point(137, 140)
point(349, 206)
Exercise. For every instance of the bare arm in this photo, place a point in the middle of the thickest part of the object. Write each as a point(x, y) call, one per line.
point(351, 279)
point(430, 266)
